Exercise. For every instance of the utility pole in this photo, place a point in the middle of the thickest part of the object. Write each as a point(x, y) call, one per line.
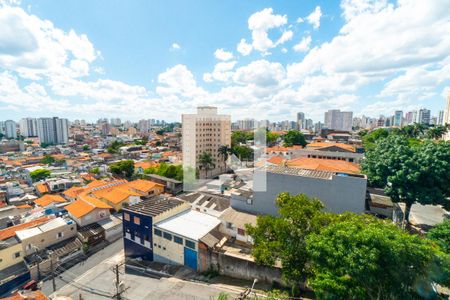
point(119, 287)
point(51, 268)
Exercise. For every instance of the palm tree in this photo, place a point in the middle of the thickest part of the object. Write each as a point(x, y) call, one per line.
point(436, 132)
point(206, 162)
point(224, 151)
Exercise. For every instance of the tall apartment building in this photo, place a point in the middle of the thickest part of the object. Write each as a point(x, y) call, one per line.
point(143, 126)
point(202, 132)
point(10, 129)
point(447, 117)
point(424, 116)
point(337, 120)
point(53, 130)
point(247, 124)
point(398, 118)
point(28, 127)
point(301, 121)
point(441, 118)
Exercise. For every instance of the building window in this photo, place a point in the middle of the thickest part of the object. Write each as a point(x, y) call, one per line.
point(241, 231)
point(167, 236)
point(189, 244)
point(229, 225)
point(137, 221)
point(59, 235)
point(164, 248)
point(178, 240)
point(126, 217)
point(17, 255)
point(28, 247)
point(158, 232)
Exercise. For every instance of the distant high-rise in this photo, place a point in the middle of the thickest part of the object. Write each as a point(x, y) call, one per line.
point(301, 121)
point(53, 130)
point(337, 120)
point(424, 116)
point(441, 117)
point(205, 132)
point(28, 127)
point(409, 118)
point(447, 116)
point(398, 117)
point(10, 129)
point(143, 126)
point(247, 124)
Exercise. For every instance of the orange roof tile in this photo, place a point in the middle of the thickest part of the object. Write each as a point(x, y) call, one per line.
point(322, 145)
point(73, 192)
point(27, 295)
point(318, 164)
point(143, 185)
point(11, 231)
point(85, 205)
point(24, 206)
point(42, 188)
point(277, 160)
point(49, 199)
point(144, 164)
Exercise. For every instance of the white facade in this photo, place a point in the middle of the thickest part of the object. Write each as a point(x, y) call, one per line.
point(53, 130)
point(28, 127)
point(10, 129)
point(203, 132)
point(337, 120)
point(424, 116)
point(447, 116)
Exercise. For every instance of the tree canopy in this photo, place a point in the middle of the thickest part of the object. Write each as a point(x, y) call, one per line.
point(47, 160)
point(39, 174)
point(419, 173)
point(166, 170)
point(123, 168)
point(114, 147)
point(294, 137)
point(346, 256)
point(361, 257)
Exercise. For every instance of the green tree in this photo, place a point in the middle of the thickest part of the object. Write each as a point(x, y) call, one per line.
point(224, 151)
point(206, 162)
point(294, 137)
point(39, 174)
point(283, 238)
point(123, 168)
point(47, 160)
point(114, 147)
point(410, 174)
point(86, 147)
point(241, 137)
point(271, 138)
point(436, 132)
point(440, 235)
point(362, 257)
point(370, 138)
point(243, 152)
point(95, 170)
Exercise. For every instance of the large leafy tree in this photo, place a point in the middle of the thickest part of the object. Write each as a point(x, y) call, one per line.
point(440, 234)
point(369, 138)
point(47, 160)
point(410, 174)
point(361, 257)
point(283, 238)
point(123, 168)
point(294, 137)
point(39, 174)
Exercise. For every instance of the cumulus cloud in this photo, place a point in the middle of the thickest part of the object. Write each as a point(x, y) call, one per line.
point(303, 45)
point(314, 17)
point(222, 72)
point(244, 48)
point(260, 73)
point(175, 47)
point(221, 54)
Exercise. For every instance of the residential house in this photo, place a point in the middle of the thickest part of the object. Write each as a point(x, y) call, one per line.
point(45, 235)
point(234, 222)
point(88, 210)
point(171, 186)
point(49, 199)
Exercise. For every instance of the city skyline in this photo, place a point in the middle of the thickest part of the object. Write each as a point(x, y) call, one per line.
point(273, 62)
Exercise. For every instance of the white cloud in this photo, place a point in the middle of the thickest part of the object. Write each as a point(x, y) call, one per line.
point(303, 45)
point(260, 23)
point(353, 8)
point(178, 80)
point(260, 73)
point(222, 72)
point(175, 47)
point(300, 20)
point(244, 48)
point(286, 36)
point(284, 50)
point(223, 55)
point(314, 17)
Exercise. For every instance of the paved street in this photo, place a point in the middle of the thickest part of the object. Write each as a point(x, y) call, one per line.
point(83, 266)
point(95, 280)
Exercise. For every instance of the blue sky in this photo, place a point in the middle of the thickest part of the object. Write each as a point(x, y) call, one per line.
point(258, 59)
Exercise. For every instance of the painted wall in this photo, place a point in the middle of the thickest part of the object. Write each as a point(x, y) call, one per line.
point(137, 233)
point(92, 217)
point(7, 257)
point(48, 238)
point(338, 194)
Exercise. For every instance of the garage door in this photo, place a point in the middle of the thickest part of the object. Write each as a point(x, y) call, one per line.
point(190, 258)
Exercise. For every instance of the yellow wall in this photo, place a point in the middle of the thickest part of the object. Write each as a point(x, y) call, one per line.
point(7, 256)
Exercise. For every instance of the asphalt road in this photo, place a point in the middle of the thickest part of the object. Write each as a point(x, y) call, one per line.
point(83, 266)
point(94, 279)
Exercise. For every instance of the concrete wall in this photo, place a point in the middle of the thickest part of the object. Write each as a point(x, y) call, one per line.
point(338, 194)
point(240, 268)
point(7, 257)
point(92, 217)
point(169, 250)
point(48, 238)
point(44, 268)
